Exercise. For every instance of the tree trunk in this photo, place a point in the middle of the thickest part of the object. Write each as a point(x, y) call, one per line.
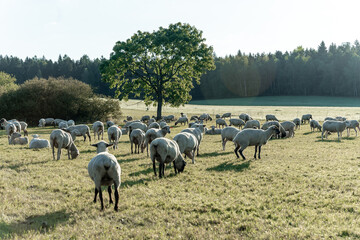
point(159, 102)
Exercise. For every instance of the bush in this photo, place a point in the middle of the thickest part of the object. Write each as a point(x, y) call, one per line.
point(7, 83)
point(57, 98)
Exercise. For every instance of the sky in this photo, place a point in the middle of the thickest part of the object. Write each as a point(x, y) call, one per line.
point(51, 28)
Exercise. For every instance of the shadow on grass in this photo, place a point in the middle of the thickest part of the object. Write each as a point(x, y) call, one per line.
point(230, 166)
point(43, 223)
point(146, 171)
point(308, 133)
point(213, 154)
point(19, 165)
point(130, 183)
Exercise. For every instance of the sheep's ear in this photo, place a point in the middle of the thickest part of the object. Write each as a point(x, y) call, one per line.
point(109, 145)
point(94, 145)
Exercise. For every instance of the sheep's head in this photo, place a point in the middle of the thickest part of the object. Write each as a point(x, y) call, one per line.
point(180, 163)
point(166, 128)
point(102, 146)
point(74, 151)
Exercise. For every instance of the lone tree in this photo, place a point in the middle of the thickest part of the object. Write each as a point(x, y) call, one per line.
point(160, 66)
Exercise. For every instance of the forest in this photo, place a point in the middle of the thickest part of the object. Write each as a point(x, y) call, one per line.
point(325, 71)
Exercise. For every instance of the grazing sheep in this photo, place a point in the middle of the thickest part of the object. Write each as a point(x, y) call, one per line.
point(333, 126)
point(36, 142)
point(213, 131)
point(306, 117)
point(98, 128)
point(351, 124)
point(57, 121)
point(129, 118)
point(71, 123)
point(127, 124)
point(182, 120)
point(266, 125)
point(137, 125)
point(61, 139)
point(221, 122)
point(154, 125)
point(114, 134)
point(236, 122)
point(187, 144)
point(194, 118)
point(105, 170)
point(163, 124)
point(16, 139)
point(314, 124)
point(164, 151)
point(197, 130)
point(152, 134)
point(137, 137)
point(205, 117)
point(245, 117)
point(252, 124)
point(63, 124)
point(82, 130)
point(330, 118)
point(289, 126)
point(169, 118)
point(145, 118)
point(109, 124)
point(226, 115)
point(297, 122)
point(339, 118)
point(253, 137)
point(270, 117)
point(46, 122)
point(228, 134)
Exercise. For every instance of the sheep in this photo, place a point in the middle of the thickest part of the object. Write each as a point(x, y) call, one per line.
point(57, 121)
point(289, 126)
point(225, 115)
point(105, 170)
point(98, 128)
point(270, 117)
point(71, 123)
point(154, 125)
point(16, 139)
point(183, 115)
point(314, 124)
point(205, 117)
point(48, 121)
point(221, 122)
point(169, 118)
point(187, 144)
point(162, 124)
point(297, 122)
point(253, 137)
point(266, 125)
point(82, 129)
point(10, 128)
point(152, 134)
point(137, 125)
point(145, 118)
point(197, 130)
point(245, 117)
point(329, 118)
point(114, 134)
point(24, 126)
point(217, 116)
point(129, 118)
point(42, 122)
point(63, 124)
point(228, 134)
point(182, 120)
point(62, 139)
point(109, 124)
point(351, 124)
point(137, 137)
point(333, 126)
point(306, 117)
point(339, 118)
point(15, 122)
point(192, 123)
point(213, 131)
point(236, 122)
point(194, 118)
point(127, 124)
point(164, 151)
point(36, 142)
point(252, 124)
point(74, 133)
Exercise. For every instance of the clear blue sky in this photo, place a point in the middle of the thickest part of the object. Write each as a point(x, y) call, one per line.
point(77, 27)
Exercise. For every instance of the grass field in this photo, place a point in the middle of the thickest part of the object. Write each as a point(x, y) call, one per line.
point(302, 188)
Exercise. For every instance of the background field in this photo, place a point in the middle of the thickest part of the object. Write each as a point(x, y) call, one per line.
point(301, 188)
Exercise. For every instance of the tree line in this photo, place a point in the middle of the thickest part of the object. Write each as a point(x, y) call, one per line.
point(325, 71)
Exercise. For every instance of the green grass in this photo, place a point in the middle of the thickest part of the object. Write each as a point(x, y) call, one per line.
point(302, 188)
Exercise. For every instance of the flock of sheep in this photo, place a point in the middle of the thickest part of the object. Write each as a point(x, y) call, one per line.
point(146, 133)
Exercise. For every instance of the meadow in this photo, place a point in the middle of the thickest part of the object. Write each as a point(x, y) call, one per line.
point(302, 188)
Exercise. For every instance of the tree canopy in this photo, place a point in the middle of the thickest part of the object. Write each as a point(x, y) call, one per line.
point(160, 66)
point(7, 82)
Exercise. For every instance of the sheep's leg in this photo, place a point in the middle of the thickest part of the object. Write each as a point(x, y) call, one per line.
point(242, 155)
point(175, 168)
point(58, 153)
point(101, 199)
point(84, 137)
point(102, 135)
point(89, 137)
point(154, 167)
point(259, 152)
point(224, 143)
point(109, 191)
point(96, 192)
point(160, 170)
point(236, 150)
point(255, 151)
point(189, 154)
point(348, 132)
point(53, 152)
point(116, 198)
point(355, 131)
point(132, 148)
point(147, 149)
point(197, 151)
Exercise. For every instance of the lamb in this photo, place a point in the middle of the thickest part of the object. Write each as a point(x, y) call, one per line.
point(306, 117)
point(253, 137)
point(63, 124)
point(182, 120)
point(213, 131)
point(98, 128)
point(297, 122)
point(225, 115)
point(333, 126)
point(270, 117)
point(37, 143)
point(289, 126)
point(166, 151)
point(71, 123)
point(114, 134)
point(266, 125)
point(61, 139)
point(16, 139)
point(352, 124)
point(252, 124)
point(187, 144)
point(197, 130)
point(228, 134)
point(221, 122)
point(109, 124)
point(245, 117)
point(82, 129)
point(236, 122)
point(314, 124)
point(205, 117)
point(145, 118)
point(152, 134)
point(105, 170)
point(137, 137)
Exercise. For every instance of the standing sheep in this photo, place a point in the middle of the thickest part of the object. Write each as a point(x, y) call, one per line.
point(152, 134)
point(289, 126)
point(314, 124)
point(114, 134)
point(306, 118)
point(270, 117)
point(236, 122)
point(221, 122)
point(351, 124)
point(197, 130)
point(297, 122)
point(333, 126)
point(187, 144)
point(61, 139)
point(98, 128)
point(245, 117)
point(282, 133)
point(252, 124)
point(226, 115)
point(228, 134)
point(137, 137)
point(82, 130)
point(182, 120)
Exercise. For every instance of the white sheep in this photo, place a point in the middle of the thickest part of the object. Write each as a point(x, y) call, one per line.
point(245, 117)
point(351, 124)
point(205, 117)
point(105, 170)
point(98, 128)
point(182, 120)
point(57, 121)
point(213, 131)
point(169, 118)
point(221, 122)
point(253, 137)
point(270, 117)
point(339, 118)
point(42, 122)
point(63, 124)
point(165, 151)
point(61, 139)
point(82, 130)
point(252, 124)
point(24, 126)
point(333, 126)
point(114, 134)
point(109, 123)
point(137, 125)
point(314, 124)
point(228, 134)
point(36, 142)
point(266, 125)
point(152, 134)
point(10, 128)
point(305, 117)
point(145, 118)
point(289, 126)
point(71, 123)
point(297, 122)
point(137, 137)
point(236, 122)
point(197, 130)
point(154, 125)
point(16, 139)
point(330, 118)
point(187, 144)
point(225, 115)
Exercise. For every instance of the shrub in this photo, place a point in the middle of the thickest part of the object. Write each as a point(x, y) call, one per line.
point(57, 98)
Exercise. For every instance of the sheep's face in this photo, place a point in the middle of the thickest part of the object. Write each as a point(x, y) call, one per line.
point(180, 163)
point(101, 146)
point(75, 154)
